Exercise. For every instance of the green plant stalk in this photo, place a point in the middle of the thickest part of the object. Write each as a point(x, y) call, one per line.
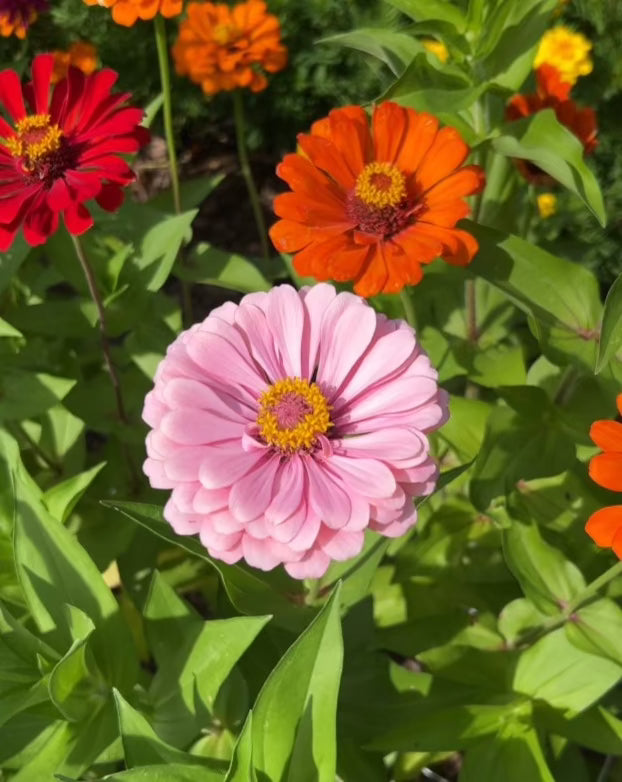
point(103, 328)
point(409, 310)
point(167, 107)
point(240, 134)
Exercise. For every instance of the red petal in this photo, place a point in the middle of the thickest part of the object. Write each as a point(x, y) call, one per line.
point(110, 197)
point(42, 68)
point(77, 219)
point(11, 96)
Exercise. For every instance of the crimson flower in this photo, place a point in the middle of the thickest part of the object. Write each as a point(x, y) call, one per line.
point(62, 150)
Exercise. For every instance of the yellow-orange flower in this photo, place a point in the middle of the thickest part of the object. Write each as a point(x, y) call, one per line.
point(567, 51)
point(374, 203)
point(126, 12)
point(80, 54)
point(547, 204)
point(223, 48)
point(436, 47)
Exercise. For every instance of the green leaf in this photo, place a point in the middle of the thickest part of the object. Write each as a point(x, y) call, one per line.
point(192, 193)
point(356, 574)
point(72, 686)
point(168, 772)
point(547, 578)
point(249, 592)
point(424, 10)
point(515, 755)
point(199, 655)
point(556, 291)
point(294, 718)
point(242, 768)
point(55, 570)
point(556, 671)
point(6, 330)
point(595, 728)
point(28, 394)
point(394, 49)
point(209, 266)
point(611, 329)
point(12, 259)
point(61, 499)
point(597, 629)
point(160, 246)
point(544, 141)
point(466, 427)
point(518, 617)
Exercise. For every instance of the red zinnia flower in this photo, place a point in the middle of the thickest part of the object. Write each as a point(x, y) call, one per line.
point(605, 526)
point(553, 93)
point(372, 206)
point(63, 150)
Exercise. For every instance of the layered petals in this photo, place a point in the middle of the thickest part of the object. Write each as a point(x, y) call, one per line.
point(372, 202)
point(127, 12)
point(289, 424)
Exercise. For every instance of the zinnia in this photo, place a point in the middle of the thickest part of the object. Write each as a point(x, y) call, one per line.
point(80, 54)
point(553, 93)
point(63, 150)
point(223, 48)
point(127, 12)
point(290, 423)
point(372, 206)
point(17, 15)
point(567, 51)
point(605, 526)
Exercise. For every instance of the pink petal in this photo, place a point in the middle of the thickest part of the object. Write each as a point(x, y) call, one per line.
point(210, 500)
point(212, 539)
point(340, 545)
point(198, 427)
point(182, 523)
point(260, 553)
point(220, 361)
point(223, 466)
point(188, 393)
point(285, 315)
point(403, 446)
point(328, 499)
point(262, 343)
point(313, 565)
point(309, 529)
point(316, 301)
point(288, 488)
point(158, 479)
point(369, 477)
point(184, 464)
point(251, 495)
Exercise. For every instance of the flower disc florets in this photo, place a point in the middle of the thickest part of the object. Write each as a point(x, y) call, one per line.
point(293, 412)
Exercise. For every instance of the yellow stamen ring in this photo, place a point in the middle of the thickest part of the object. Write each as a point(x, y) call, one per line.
point(380, 185)
point(36, 138)
point(293, 412)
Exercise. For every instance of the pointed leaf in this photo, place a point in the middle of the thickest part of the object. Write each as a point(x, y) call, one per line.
point(62, 498)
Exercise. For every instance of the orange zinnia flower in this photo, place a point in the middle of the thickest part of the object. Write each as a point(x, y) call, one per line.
point(80, 54)
point(372, 205)
point(605, 526)
point(553, 93)
point(126, 12)
point(222, 48)
point(17, 15)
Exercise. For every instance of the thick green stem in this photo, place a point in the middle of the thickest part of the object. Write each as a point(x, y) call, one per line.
point(167, 107)
point(103, 328)
point(409, 310)
point(240, 133)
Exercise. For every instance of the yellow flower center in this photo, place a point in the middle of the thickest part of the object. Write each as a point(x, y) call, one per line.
point(293, 412)
point(223, 34)
point(380, 185)
point(547, 204)
point(36, 139)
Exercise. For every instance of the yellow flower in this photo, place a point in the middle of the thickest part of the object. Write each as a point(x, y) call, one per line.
point(547, 205)
point(567, 51)
point(436, 47)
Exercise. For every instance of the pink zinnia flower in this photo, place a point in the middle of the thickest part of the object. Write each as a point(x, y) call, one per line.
point(289, 424)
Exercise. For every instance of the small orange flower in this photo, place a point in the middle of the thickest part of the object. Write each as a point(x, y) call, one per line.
point(605, 526)
point(126, 12)
point(17, 15)
point(372, 205)
point(80, 54)
point(553, 93)
point(222, 48)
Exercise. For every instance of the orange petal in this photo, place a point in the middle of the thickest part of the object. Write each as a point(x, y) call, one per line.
point(389, 124)
point(606, 470)
point(466, 181)
point(403, 269)
point(350, 134)
point(418, 247)
point(335, 255)
point(459, 247)
point(446, 154)
point(447, 214)
point(619, 403)
point(607, 435)
point(306, 179)
point(604, 525)
point(374, 274)
point(289, 237)
point(302, 209)
point(422, 130)
point(325, 155)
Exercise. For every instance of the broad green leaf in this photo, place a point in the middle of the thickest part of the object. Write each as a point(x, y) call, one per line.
point(556, 291)
point(201, 657)
point(611, 329)
point(73, 688)
point(424, 10)
point(12, 259)
point(192, 193)
point(556, 671)
point(249, 592)
point(547, 578)
point(6, 330)
point(294, 717)
point(209, 266)
point(515, 755)
point(465, 429)
point(142, 746)
point(424, 86)
point(499, 365)
point(168, 772)
point(597, 629)
point(61, 499)
point(28, 394)
point(393, 48)
point(595, 728)
point(55, 570)
point(160, 246)
point(242, 768)
point(544, 141)
point(356, 574)
point(518, 617)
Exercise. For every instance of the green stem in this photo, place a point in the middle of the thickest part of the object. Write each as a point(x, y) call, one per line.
point(313, 590)
point(409, 310)
point(240, 134)
point(103, 328)
point(470, 297)
point(167, 108)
